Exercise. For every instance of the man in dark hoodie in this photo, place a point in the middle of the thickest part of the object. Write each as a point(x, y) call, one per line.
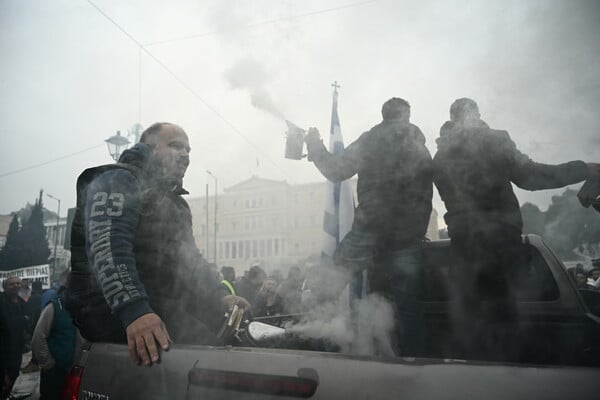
point(137, 274)
point(474, 168)
point(394, 195)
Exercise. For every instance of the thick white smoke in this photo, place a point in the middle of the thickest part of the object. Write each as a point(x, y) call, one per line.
point(366, 331)
point(250, 75)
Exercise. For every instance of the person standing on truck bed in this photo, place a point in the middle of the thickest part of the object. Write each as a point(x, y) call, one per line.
point(137, 274)
point(474, 168)
point(394, 204)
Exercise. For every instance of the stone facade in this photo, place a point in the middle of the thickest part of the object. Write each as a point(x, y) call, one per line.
point(266, 221)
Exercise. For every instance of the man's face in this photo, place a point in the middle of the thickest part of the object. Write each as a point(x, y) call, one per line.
point(269, 286)
point(596, 274)
point(12, 286)
point(172, 151)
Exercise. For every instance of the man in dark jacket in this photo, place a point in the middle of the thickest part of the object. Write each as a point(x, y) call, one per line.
point(394, 194)
point(14, 323)
point(249, 285)
point(474, 169)
point(134, 262)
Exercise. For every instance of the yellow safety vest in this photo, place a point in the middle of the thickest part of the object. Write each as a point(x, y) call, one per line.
point(229, 286)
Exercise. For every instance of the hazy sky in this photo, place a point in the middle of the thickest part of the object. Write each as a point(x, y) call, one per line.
point(69, 78)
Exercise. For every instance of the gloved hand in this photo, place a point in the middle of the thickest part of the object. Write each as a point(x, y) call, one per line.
point(312, 138)
point(590, 191)
point(313, 141)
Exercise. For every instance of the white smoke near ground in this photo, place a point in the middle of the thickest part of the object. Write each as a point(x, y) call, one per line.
point(253, 77)
point(366, 331)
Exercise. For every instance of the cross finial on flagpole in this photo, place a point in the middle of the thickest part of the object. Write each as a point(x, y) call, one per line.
point(335, 86)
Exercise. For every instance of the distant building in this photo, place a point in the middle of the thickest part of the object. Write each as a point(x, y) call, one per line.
point(266, 221)
point(63, 257)
point(5, 221)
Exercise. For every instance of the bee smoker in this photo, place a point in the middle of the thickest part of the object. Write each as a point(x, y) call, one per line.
point(294, 143)
point(231, 324)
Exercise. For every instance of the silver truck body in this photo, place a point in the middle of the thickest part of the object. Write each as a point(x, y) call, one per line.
point(564, 361)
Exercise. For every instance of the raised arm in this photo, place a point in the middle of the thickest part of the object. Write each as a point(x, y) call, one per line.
point(335, 167)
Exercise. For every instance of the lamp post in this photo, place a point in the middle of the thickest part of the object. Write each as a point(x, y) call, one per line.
point(55, 236)
point(116, 144)
point(206, 226)
point(215, 238)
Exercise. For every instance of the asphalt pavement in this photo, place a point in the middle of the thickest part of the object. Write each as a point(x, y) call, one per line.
point(27, 383)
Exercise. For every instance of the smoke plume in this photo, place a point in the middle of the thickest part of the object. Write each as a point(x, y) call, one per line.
point(249, 75)
point(365, 330)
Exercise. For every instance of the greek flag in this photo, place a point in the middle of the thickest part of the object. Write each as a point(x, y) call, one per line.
point(339, 200)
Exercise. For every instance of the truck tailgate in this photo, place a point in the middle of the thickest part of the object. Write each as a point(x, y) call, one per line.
point(194, 372)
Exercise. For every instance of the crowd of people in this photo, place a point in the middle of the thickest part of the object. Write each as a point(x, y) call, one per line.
point(587, 280)
point(33, 319)
point(270, 294)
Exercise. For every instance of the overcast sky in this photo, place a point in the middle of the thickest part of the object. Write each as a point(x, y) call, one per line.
point(227, 71)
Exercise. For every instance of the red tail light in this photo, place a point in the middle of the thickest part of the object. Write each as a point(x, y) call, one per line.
point(254, 383)
point(71, 384)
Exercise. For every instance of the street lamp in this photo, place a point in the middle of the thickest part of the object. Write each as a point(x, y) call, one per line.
point(215, 239)
point(116, 144)
point(55, 236)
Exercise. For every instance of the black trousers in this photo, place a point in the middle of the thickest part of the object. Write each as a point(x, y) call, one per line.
point(484, 312)
point(51, 383)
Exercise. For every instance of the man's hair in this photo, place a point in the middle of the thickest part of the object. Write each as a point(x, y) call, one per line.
point(394, 108)
point(151, 132)
point(461, 107)
point(228, 272)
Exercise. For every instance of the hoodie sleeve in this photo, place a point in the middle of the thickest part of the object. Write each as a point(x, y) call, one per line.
point(530, 175)
point(112, 208)
point(336, 167)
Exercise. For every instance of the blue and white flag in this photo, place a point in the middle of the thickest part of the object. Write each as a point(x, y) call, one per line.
point(339, 200)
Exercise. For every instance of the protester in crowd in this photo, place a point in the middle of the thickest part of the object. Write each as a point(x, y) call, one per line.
point(249, 285)
point(33, 311)
point(581, 280)
point(394, 204)
point(594, 275)
point(290, 291)
point(474, 169)
point(50, 293)
point(25, 290)
point(268, 301)
point(54, 344)
point(277, 275)
point(15, 323)
point(228, 274)
point(137, 275)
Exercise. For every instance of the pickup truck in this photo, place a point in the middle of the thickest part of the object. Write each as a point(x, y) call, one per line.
point(560, 357)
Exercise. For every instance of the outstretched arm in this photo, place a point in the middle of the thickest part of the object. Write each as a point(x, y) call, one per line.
point(335, 167)
point(530, 175)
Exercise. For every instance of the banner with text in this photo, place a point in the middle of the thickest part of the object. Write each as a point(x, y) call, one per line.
point(34, 273)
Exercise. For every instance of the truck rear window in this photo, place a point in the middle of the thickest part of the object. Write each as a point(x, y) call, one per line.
point(533, 282)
